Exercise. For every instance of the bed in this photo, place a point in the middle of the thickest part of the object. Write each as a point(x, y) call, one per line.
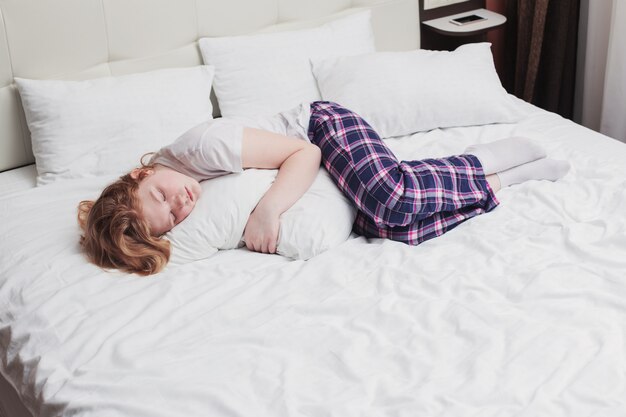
point(519, 312)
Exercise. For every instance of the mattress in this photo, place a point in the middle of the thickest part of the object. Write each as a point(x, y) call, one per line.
point(519, 312)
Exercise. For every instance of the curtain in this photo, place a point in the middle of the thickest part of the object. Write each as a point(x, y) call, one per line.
point(540, 52)
point(613, 119)
point(601, 82)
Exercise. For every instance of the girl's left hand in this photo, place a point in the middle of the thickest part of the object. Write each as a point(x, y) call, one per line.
point(261, 232)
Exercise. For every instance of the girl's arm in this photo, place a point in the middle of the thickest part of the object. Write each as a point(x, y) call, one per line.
point(297, 161)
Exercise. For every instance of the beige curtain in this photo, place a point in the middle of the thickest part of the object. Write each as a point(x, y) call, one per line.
point(601, 84)
point(613, 120)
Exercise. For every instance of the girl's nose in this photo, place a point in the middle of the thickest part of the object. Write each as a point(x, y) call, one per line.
point(180, 201)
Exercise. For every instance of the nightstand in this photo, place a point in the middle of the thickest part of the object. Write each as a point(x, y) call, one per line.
point(438, 32)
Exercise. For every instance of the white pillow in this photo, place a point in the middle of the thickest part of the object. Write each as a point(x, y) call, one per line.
point(321, 219)
point(103, 126)
point(400, 93)
point(264, 74)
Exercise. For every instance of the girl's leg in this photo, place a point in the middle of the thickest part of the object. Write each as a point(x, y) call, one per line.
point(388, 192)
point(419, 231)
point(494, 182)
point(506, 153)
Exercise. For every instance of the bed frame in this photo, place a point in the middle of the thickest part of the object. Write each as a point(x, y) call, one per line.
point(97, 38)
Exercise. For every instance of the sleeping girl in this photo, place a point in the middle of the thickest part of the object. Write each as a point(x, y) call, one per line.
point(406, 201)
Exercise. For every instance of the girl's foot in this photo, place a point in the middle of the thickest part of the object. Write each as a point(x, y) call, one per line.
point(542, 169)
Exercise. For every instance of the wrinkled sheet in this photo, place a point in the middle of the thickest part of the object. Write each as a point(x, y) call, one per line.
point(519, 312)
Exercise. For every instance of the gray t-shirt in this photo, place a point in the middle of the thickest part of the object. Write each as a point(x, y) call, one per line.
point(213, 148)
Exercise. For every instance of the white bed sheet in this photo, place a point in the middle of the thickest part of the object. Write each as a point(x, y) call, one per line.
point(520, 312)
point(18, 179)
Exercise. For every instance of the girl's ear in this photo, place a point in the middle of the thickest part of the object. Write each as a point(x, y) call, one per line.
point(140, 173)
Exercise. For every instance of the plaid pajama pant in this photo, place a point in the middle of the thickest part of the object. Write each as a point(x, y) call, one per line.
point(407, 201)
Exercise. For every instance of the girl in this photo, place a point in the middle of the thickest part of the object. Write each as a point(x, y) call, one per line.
point(407, 201)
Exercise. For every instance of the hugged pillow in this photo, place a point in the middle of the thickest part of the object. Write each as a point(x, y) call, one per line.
point(103, 126)
point(321, 219)
point(400, 93)
point(264, 74)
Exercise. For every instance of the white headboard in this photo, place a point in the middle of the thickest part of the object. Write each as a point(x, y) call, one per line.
point(81, 39)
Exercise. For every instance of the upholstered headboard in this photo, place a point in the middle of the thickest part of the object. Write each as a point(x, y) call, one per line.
point(81, 39)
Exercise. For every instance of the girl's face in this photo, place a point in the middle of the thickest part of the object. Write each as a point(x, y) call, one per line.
point(167, 197)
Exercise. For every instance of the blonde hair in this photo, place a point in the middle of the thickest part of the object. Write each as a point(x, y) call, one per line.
point(115, 235)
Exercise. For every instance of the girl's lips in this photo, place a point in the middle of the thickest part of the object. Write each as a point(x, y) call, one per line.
point(189, 193)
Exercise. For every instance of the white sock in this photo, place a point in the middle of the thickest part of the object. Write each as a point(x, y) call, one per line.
point(506, 153)
point(542, 169)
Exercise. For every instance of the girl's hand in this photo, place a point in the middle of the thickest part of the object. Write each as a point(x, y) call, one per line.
point(298, 163)
point(261, 232)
